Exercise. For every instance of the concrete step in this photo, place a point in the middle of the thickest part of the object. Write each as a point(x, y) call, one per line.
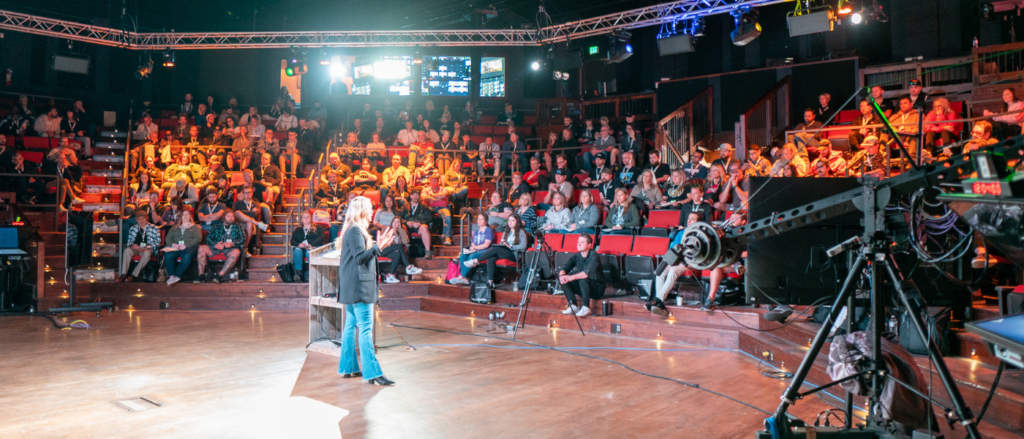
point(102, 189)
point(114, 134)
point(110, 145)
point(108, 158)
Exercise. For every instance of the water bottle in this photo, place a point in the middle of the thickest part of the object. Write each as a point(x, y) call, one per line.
point(893, 325)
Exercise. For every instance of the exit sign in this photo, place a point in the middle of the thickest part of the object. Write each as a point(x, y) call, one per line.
point(592, 50)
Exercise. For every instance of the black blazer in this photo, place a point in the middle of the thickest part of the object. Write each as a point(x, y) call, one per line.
point(357, 263)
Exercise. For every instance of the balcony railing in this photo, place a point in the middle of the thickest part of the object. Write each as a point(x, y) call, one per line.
point(691, 124)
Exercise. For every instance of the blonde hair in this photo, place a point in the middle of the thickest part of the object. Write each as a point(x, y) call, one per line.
point(358, 215)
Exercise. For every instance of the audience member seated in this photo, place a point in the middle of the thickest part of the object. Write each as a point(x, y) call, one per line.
point(860, 129)
point(365, 179)
point(568, 144)
point(526, 212)
point(934, 128)
point(390, 177)
point(420, 150)
point(905, 123)
point(870, 161)
point(661, 171)
point(211, 211)
point(444, 152)
point(676, 191)
point(697, 204)
point(790, 156)
point(183, 169)
point(588, 133)
point(248, 212)
point(560, 186)
point(15, 124)
point(981, 136)
point(510, 116)
point(586, 216)
point(512, 243)
point(260, 193)
point(726, 155)
point(387, 211)
point(143, 241)
point(435, 196)
point(490, 156)
point(187, 192)
point(376, 151)
point(225, 239)
point(497, 212)
point(270, 176)
point(286, 121)
point(481, 239)
point(305, 238)
point(603, 143)
point(629, 173)
point(536, 177)
point(695, 169)
point(582, 276)
point(72, 128)
point(145, 128)
point(733, 196)
point(182, 241)
point(429, 133)
point(622, 215)
point(646, 194)
point(831, 159)
point(455, 180)
point(876, 92)
point(417, 217)
point(398, 252)
point(514, 155)
point(807, 140)
point(421, 175)
point(825, 110)
point(28, 189)
point(757, 166)
point(631, 142)
point(518, 188)
point(558, 216)
point(1010, 124)
point(334, 164)
point(290, 159)
point(331, 194)
point(607, 185)
point(149, 149)
point(713, 185)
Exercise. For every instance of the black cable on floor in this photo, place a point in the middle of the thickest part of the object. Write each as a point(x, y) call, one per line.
point(696, 386)
point(991, 392)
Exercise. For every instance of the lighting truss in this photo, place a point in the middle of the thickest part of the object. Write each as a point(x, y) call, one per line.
point(636, 18)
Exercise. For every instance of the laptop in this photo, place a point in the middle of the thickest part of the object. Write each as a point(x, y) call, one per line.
point(9, 242)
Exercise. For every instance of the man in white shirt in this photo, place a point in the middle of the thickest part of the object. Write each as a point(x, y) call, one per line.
point(147, 126)
point(48, 125)
point(408, 135)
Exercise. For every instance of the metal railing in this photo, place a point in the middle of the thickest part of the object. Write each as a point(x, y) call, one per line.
point(616, 107)
point(766, 119)
point(993, 63)
point(682, 130)
point(953, 75)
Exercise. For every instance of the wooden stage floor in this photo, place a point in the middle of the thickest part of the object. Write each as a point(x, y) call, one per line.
point(247, 374)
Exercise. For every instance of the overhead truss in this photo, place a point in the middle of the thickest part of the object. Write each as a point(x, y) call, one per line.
point(632, 19)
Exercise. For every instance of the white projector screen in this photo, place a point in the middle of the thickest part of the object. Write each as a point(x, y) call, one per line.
point(71, 64)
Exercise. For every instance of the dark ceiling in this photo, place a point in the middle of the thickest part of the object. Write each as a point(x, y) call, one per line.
point(301, 15)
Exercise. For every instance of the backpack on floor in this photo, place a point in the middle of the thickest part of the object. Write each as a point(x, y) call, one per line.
point(286, 272)
point(453, 270)
point(481, 292)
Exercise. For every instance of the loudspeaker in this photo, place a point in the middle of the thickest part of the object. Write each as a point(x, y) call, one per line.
point(71, 63)
point(681, 43)
point(810, 23)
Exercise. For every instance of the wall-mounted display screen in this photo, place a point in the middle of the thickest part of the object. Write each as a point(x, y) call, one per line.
point(492, 77)
point(446, 75)
point(363, 70)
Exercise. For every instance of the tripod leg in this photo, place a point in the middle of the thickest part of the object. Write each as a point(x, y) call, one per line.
point(569, 303)
point(524, 304)
point(793, 391)
point(912, 301)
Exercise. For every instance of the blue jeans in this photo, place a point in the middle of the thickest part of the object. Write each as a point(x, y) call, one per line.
point(298, 255)
point(175, 268)
point(463, 269)
point(360, 314)
point(446, 217)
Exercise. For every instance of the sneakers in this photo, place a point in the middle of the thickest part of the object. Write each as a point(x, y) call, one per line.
point(296, 278)
point(459, 281)
point(216, 278)
point(199, 279)
point(429, 255)
point(709, 305)
point(472, 263)
point(391, 279)
point(658, 307)
point(447, 241)
point(173, 280)
point(77, 200)
point(412, 269)
point(262, 226)
point(570, 310)
point(583, 312)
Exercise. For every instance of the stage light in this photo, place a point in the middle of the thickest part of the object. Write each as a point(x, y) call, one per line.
point(629, 48)
point(168, 57)
point(619, 48)
point(535, 65)
point(845, 8)
point(856, 18)
point(145, 66)
point(747, 27)
point(337, 70)
point(390, 69)
point(325, 58)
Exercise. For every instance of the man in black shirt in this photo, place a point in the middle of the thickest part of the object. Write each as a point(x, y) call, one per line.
point(697, 204)
point(607, 185)
point(726, 153)
point(661, 170)
point(581, 276)
point(247, 211)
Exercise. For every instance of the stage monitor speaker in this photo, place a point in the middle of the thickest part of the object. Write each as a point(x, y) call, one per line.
point(675, 44)
point(71, 63)
point(810, 23)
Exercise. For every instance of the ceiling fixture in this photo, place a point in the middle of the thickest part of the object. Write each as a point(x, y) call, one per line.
point(747, 26)
point(560, 76)
point(145, 66)
point(297, 64)
point(417, 58)
point(845, 7)
point(168, 57)
point(535, 65)
point(806, 20)
point(869, 13)
point(619, 48)
point(325, 57)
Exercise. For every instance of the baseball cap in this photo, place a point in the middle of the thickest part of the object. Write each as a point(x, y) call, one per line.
point(725, 146)
point(602, 156)
point(915, 82)
point(562, 171)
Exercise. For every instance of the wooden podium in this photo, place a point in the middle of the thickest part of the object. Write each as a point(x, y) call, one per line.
point(326, 315)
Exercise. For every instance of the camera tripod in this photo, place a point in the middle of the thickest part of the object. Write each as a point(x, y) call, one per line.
point(524, 303)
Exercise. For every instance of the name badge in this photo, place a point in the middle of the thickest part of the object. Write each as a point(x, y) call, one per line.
point(181, 242)
point(228, 240)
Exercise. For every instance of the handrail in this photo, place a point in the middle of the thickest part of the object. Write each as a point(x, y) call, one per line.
point(124, 188)
point(989, 64)
point(766, 118)
point(689, 125)
point(640, 104)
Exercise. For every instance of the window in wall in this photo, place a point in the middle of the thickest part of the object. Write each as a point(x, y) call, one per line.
point(492, 77)
point(446, 75)
point(396, 71)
